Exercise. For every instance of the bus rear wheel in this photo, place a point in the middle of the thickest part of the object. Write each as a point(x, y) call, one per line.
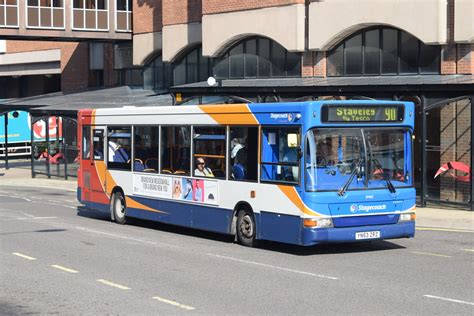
point(246, 231)
point(118, 208)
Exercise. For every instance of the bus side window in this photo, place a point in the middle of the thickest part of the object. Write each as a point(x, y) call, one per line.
point(145, 149)
point(175, 150)
point(209, 152)
point(280, 154)
point(119, 148)
point(243, 156)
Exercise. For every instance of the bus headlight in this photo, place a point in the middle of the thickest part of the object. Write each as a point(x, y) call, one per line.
point(317, 223)
point(407, 217)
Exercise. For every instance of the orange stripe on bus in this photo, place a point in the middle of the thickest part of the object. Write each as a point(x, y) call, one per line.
point(134, 204)
point(291, 194)
point(231, 114)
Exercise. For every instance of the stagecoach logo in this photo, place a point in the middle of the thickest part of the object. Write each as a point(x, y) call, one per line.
point(278, 116)
point(367, 208)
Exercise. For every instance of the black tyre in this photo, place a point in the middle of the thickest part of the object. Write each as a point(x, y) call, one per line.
point(246, 229)
point(118, 208)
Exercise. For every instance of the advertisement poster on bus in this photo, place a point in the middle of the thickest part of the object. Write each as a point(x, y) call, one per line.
point(181, 189)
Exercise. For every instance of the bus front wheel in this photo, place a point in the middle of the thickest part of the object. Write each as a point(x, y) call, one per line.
point(118, 208)
point(246, 231)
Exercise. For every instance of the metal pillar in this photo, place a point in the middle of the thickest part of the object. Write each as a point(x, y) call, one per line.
point(6, 141)
point(423, 153)
point(472, 155)
point(32, 148)
point(48, 161)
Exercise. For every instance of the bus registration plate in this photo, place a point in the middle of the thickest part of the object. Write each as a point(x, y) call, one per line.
point(367, 235)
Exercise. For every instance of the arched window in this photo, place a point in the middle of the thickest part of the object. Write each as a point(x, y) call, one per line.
point(192, 67)
point(383, 51)
point(257, 57)
point(157, 74)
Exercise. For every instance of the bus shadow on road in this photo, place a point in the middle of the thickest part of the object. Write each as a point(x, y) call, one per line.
point(329, 249)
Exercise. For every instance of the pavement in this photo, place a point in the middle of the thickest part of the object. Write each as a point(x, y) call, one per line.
point(19, 174)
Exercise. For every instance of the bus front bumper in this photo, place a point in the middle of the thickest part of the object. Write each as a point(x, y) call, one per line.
point(313, 236)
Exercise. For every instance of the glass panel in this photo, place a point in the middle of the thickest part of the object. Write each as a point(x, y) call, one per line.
point(408, 54)
point(278, 60)
point(146, 149)
point(389, 51)
point(98, 141)
point(251, 58)
point(45, 17)
point(263, 58)
point(372, 53)
point(102, 20)
point(30, 2)
point(58, 17)
point(175, 150)
point(90, 19)
point(429, 59)
point(203, 67)
point(86, 142)
point(101, 4)
point(221, 67)
point(243, 162)
point(448, 152)
point(192, 67)
point(353, 50)
point(122, 20)
point(180, 72)
point(332, 155)
point(2, 15)
point(335, 62)
point(78, 4)
point(119, 148)
point(387, 150)
point(280, 155)
point(78, 19)
point(122, 5)
point(293, 64)
point(149, 76)
point(209, 152)
point(33, 17)
point(12, 16)
point(236, 60)
point(159, 76)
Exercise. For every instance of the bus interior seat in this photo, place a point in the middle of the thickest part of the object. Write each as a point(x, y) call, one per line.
point(138, 165)
point(166, 171)
point(238, 171)
point(180, 172)
point(218, 173)
point(151, 163)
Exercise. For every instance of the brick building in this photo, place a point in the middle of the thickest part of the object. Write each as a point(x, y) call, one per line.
point(49, 46)
point(266, 51)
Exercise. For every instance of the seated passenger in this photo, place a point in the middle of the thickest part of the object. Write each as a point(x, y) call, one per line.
point(201, 169)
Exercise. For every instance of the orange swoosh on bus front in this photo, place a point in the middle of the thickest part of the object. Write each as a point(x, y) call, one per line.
point(294, 197)
point(134, 204)
point(231, 114)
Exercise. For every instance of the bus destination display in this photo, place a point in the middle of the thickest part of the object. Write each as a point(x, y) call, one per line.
point(362, 113)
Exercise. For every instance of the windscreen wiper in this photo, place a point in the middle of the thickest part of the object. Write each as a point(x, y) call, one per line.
point(385, 177)
point(355, 171)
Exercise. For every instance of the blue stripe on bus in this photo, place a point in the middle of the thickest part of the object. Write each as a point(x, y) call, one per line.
point(365, 220)
point(278, 227)
point(184, 214)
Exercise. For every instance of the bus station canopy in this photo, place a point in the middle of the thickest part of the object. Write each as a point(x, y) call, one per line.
point(69, 103)
point(334, 84)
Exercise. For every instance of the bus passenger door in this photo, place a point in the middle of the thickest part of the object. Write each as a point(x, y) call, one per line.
point(84, 176)
point(99, 197)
